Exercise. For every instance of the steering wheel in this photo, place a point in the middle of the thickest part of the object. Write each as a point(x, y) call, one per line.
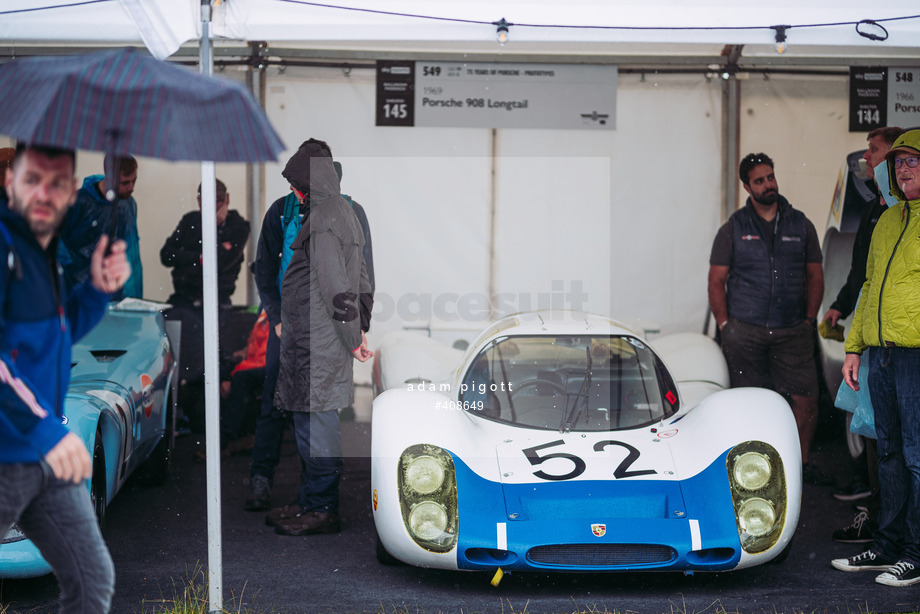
point(525, 400)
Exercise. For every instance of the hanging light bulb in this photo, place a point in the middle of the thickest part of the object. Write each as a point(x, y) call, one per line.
point(501, 30)
point(781, 45)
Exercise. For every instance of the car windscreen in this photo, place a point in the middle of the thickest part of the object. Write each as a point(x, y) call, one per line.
point(569, 383)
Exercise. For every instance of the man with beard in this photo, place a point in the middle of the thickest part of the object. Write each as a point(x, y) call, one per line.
point(765, 288)
point(43, 466)
point(103, 209)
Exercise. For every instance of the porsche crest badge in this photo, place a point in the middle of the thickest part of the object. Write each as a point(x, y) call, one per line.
point(599, 530)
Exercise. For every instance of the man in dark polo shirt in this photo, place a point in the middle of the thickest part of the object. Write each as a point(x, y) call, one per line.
point(765, 288)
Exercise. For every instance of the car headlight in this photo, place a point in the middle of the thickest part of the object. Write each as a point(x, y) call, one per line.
point(428, 496)
point(428, 520)
point(757, 516)
point(424, 474)
point(758, 488)
point(752, 470)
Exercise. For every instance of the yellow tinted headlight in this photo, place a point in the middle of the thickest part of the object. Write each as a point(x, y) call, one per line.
point(757, 517)
point(757, 479)
point(752, 471)
point(424, 475)
point(428, 521)
point(428, 496)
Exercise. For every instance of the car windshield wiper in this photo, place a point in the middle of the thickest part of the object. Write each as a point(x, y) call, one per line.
point(570, 418)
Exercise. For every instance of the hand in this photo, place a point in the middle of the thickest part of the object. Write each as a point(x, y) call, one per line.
point(361, 353)
point(278, 330)
point(851, 371)
point(109, 273)
point(227, 245)
point(224, 389)
point(69, 460)
point(832, 316)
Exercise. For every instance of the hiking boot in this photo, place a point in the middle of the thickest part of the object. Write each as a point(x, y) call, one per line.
point(866, 561)
point(309, 523)
point(860, 532)
point(279, 514)
point(260, 494)
point(902, 573)
point(854, 491)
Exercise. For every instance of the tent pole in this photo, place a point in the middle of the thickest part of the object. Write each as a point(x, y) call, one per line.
point(731, 130)
point(255, 175)
point(211, 327)
point(493, 195)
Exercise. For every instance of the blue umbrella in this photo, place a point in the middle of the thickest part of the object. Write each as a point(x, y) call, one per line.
point(126, 102)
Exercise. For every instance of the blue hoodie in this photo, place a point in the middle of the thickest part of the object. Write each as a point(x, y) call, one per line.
point(88, 218)
point(38, 324)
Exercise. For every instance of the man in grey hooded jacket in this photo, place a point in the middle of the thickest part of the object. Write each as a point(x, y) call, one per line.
point(322, 333)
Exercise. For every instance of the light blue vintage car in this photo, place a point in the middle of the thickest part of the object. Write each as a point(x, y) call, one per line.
point(120, 403)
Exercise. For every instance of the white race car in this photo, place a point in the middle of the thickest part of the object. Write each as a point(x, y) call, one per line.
point(563, 442)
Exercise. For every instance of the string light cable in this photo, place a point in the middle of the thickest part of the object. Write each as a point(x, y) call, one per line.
point(860, 26)
point(863, 27)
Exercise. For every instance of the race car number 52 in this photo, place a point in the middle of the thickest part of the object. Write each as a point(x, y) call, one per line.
point(579, 465)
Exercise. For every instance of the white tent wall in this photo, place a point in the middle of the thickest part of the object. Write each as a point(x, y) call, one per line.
point(625, 217)
point(576, 211)
point(802, 123)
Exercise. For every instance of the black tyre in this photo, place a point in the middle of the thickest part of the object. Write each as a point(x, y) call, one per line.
point(97, 488)
point(155, 470)
point(384, 557)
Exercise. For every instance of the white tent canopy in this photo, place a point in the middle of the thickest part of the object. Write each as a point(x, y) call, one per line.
point(663, 27)
point(820, 33)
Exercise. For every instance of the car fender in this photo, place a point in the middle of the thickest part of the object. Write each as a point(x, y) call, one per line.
point(729, 418)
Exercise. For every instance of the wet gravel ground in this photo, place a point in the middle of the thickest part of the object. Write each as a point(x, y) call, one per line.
point(158, 539)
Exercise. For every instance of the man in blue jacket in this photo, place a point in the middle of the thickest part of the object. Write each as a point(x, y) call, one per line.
point(99, 209)
point(42, 465)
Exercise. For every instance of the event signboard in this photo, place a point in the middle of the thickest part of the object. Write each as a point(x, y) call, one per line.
point(496, 95)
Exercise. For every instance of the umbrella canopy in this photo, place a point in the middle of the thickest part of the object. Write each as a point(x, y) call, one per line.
point(126, 102)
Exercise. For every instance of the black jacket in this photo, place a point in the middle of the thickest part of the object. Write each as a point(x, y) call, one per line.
point(845, 302)
point(182, 252)
point(767, 282)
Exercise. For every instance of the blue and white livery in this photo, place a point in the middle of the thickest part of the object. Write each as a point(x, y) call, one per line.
point(563, 442)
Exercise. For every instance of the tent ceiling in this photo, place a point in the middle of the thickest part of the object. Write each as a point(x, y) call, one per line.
point(691, 33)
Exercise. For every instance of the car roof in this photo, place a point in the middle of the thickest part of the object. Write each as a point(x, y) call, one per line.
point(554, 322)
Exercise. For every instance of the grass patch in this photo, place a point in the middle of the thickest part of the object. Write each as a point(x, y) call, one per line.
point(191, 597)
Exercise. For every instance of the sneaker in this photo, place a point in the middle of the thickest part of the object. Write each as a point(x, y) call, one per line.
point(902, 573)
point(309, 523)
point(260, 494)
point(279, 514)
point(866, 561)
point(854, 491)
point(860, 532)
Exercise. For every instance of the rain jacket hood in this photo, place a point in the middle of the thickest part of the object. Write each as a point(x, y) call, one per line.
point(910, 139)
point(311, 171)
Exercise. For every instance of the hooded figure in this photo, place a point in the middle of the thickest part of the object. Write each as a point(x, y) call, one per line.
point(321, 319)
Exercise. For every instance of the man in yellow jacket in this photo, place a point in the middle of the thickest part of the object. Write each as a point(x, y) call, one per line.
point(887, 324)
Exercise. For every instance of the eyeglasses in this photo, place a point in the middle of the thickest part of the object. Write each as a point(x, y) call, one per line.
point(911, 161)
